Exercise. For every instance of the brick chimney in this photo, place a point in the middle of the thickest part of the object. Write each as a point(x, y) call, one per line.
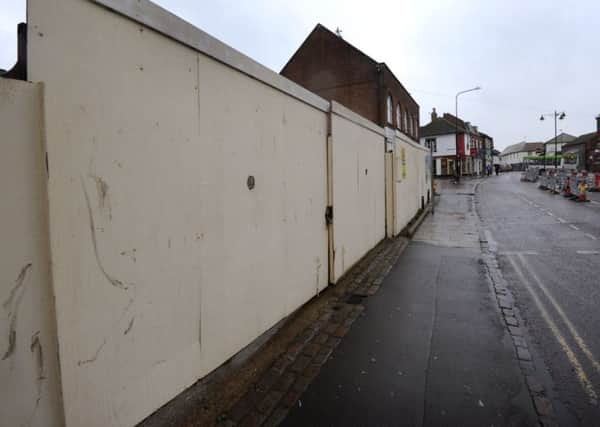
point(435, 116)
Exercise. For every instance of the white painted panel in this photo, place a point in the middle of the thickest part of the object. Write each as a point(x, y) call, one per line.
point(411, 183)
point(29, 383)
point(165, 262)
point(358, 192)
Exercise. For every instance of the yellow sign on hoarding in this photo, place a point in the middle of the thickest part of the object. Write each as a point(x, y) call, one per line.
point(403, 157)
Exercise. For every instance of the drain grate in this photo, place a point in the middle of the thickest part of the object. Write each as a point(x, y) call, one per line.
point(355, 299)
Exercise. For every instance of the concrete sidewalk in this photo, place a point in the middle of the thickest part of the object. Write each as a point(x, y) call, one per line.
point(431, 347)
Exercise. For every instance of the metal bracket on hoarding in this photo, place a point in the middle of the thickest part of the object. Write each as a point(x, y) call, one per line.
point(389, 145)
point(329, 215)
point(389, 139)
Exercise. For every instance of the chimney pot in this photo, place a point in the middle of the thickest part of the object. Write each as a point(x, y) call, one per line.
point(434, 114)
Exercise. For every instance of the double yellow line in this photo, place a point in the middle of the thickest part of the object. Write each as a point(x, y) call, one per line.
point(577, 367)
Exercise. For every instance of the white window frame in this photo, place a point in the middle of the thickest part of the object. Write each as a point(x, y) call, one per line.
point(415, 126)
point(431, 143)
point(390, 106)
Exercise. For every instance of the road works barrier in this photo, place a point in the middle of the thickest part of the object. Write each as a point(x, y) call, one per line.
point(552, 182)
point(593, 182)
point(560, 182)
point(543, 181)
point(530, 175)
point(570, 183)
point(168, 201)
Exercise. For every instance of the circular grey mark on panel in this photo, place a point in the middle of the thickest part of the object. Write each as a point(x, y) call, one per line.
point(250, 182)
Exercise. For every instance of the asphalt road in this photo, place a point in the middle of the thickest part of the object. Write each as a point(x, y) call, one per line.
point(549, 252)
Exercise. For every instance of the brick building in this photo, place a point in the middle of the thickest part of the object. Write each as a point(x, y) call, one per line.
point(474, 147)
point(583, 152)
point(332, 68)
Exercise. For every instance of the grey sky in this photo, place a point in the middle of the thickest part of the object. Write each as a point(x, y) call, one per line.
point(530, 57)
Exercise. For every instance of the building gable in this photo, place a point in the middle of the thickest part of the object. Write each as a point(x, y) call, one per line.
point(329, 66)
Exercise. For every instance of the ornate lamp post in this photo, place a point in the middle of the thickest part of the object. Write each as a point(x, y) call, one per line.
point(560, 116)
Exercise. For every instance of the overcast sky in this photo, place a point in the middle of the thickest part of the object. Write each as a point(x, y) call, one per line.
point(530, 57)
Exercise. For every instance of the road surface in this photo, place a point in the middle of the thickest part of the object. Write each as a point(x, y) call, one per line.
point(548, 249)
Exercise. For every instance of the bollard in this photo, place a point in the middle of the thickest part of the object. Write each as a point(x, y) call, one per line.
point(582, 195)
point(567, 188)
point(575, 186)
point(543, 181)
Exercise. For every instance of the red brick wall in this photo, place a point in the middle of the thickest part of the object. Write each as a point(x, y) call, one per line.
point(402, 97)
point(328, 66)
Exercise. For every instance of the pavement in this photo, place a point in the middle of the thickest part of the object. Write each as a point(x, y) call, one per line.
point(432, 346)
point(548, 251)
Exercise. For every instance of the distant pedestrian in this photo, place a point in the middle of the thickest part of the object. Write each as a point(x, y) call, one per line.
point(488, 169)
point(497, 169)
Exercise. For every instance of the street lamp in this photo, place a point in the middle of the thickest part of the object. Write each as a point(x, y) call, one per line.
point(457, 161)
point(560, 116)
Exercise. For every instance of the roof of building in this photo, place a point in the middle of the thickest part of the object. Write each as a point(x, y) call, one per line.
point(581, 139)
point(561, 138)
point(441, 126)
point(523, 147)
point(320, 27)
point(448, 124)
point(451, 118)
point(485, 135)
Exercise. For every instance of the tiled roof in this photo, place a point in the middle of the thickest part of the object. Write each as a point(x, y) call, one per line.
point(447, 124)
point(439, 126)
point(523, 147)
point(561, 138)
point(581, 139)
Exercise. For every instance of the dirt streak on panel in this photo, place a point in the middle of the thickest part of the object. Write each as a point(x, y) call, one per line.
point(129, 326)
point(36, 347)
point(102, 189)
point(93, 358)
point(12, 314)
point(114, 281)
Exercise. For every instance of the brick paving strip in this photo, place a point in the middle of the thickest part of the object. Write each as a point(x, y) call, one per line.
point(513, 321)
point(281, 385)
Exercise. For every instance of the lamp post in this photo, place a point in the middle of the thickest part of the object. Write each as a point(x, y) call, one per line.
point(560, 116)
point(457, 161)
